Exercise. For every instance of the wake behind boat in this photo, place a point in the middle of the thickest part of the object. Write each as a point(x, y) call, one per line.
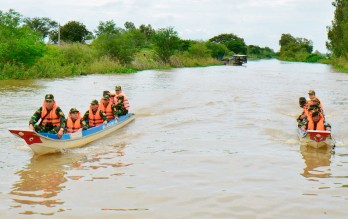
point(43, 143)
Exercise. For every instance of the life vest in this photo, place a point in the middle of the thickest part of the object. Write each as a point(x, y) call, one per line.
point(125, 100)
point(94, 119)
point(320, 123)
point(51, 117)
point(73, 126)
point(107, 110)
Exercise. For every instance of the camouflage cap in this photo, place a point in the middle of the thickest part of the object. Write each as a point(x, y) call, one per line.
point(106, 97)
point(106, 92)
point(94, 102)
point(49, 97)
point(118, 87)
point(311, 92)
point(73, 110)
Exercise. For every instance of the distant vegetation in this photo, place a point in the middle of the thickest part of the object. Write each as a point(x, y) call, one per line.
point(39, 48)
point(338, 36)
point(298, 49)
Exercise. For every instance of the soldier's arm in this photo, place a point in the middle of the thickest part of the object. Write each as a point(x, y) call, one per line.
point(61, 115)
point(102, 114)
point(83, 124)
point(36, 116)
point(85, 116)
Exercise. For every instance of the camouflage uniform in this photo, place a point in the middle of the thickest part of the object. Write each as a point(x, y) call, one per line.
point(48, 128)
point(119, 108)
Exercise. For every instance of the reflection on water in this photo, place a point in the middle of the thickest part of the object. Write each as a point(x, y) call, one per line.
point(317, 162)
point(18, 85)
point(42, 180)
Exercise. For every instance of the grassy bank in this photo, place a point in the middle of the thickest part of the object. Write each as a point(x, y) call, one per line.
point(340, 64)
point(79, 59)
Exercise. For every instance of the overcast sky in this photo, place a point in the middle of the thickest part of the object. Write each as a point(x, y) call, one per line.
point(259, 22)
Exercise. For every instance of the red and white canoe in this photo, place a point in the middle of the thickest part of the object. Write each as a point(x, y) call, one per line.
point(43, 143)
point(315, 139)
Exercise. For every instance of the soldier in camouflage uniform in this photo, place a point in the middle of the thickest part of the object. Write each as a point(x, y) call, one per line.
point(121, 103)
point(94, 110)
point(119, 108)
point(74, 115)
point(52, 118)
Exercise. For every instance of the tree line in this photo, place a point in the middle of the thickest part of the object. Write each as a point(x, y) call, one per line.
point(28, 48)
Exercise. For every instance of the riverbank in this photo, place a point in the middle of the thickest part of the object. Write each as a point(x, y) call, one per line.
point(78, 59)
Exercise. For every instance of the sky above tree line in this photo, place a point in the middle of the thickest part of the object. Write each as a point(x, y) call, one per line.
point(259, 22)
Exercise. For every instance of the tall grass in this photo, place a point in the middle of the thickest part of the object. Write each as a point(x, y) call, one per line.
point(78, 59)
point(341, 64)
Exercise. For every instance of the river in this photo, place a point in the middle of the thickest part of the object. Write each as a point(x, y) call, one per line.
point(214, 142)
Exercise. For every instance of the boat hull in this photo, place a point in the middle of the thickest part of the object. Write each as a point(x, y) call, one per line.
point(43, 143)
point(315, 139)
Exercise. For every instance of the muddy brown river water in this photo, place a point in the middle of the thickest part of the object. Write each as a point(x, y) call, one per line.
point(215, 142)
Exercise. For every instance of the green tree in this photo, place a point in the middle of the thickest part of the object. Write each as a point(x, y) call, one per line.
point(147, 30)
point(42, 25)
point(107, 27)
point(286, 39)
point(72, 31)
point(129, 25)
point(232, 42)
point(259, 52)
point(338, 31)
point(120, 46)
point(165, 42)
point(19, 44)
point(199, 49)
point(295, 49)
point(217, 50)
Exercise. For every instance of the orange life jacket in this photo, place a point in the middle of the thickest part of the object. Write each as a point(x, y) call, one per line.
point(73, 126)
point(125, 100)
point(51, 117)
point(107, 110)
point(94, 119)
point(320, 123)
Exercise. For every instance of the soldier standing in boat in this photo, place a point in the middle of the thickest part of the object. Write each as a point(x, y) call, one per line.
point(52, 118)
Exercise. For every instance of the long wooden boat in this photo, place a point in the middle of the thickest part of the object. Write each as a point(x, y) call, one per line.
point(43, 143)
point(315, 139)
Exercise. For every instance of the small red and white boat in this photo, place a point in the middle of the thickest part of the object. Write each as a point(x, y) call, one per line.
point(43, 143)
point(315, 139)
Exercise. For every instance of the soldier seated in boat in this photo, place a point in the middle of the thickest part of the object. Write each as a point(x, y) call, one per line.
point(121, 103)
point(316, 121)
point(94, 116)
point(52, 118)
point(107, 107)
point(314, 100)
point(75, 123)
point(119, 108)
point(302, 118)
